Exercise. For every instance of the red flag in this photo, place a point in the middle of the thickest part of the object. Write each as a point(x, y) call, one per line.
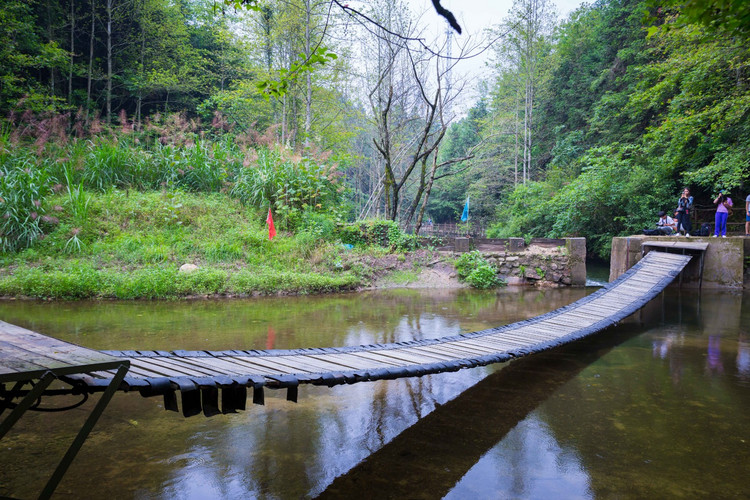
point(271, 228)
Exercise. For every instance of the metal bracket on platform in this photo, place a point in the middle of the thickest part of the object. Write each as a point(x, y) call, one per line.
point(37, 392)
point(26, 403)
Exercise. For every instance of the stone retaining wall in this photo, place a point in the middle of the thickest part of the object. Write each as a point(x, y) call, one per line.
point(561, 261)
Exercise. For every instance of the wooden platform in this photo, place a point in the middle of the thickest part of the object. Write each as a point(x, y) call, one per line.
point(200, 374)
point(695, 246)
point(28, 357)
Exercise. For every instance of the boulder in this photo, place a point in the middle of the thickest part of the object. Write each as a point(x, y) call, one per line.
point(532, 274)
point(188, 268)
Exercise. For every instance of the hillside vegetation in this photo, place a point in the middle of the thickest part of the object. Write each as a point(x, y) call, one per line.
point(166, 138)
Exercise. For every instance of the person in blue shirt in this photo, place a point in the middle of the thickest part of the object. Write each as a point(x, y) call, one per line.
point(684, 207)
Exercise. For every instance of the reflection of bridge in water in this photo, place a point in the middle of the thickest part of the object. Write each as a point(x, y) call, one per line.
point(415, 460)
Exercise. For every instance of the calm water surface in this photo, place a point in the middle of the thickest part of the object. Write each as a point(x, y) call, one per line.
point(658, 407)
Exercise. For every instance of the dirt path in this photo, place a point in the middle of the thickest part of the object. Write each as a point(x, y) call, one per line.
point(435, 272)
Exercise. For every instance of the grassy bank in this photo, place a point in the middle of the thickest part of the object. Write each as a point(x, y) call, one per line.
point(128, 244)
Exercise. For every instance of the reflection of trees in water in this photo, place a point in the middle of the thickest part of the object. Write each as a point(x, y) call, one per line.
point(297, 321)
point(660, 415)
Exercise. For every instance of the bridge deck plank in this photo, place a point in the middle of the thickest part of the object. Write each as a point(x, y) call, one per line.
point(381, 356)
point(412, 356)
point(355, 360)
point(431, 354)
point(401, 357)
point(330, 363)
point(260, 365)
point(491, 346)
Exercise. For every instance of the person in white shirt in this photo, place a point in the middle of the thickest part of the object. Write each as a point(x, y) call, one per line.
point(666, 224)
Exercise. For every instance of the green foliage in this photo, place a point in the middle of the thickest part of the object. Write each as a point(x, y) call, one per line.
point(78, 280)
point(467, 262)
point(291, 188)
point(25, 49)
point(380, 232)
point(268, 282)
point(726, 17)
point(633, 120)
point(23, 192)
point(78, 201)
point(129, 250)
point(484, 277)
point(280, 86)
point(319, 226)
point(472, 177)
point(202, 282)
point(472, 268)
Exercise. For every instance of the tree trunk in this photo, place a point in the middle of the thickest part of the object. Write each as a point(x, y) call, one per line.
point(139, 103)
point(420, 191)
point(91, 62)
point(109, 61)
point(283, 119)
point(427, 191)
point(515, 134)
point(50, 38)
point(72, 50)
point(525, 128)
point(308, 76)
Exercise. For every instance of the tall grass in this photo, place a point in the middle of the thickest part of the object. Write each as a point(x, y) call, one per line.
point(23, 192)
point(289, 187)
point(259, 178)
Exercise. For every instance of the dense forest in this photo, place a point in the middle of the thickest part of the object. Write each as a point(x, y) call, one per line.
point(586, 126)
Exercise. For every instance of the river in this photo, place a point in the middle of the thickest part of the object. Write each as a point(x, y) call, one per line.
point(657, 407)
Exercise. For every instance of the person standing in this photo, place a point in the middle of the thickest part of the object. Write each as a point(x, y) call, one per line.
point(723, 206)
point(684, 207)
point(747, 216)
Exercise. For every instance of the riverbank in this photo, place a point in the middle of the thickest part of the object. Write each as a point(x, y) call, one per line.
point(153, 245)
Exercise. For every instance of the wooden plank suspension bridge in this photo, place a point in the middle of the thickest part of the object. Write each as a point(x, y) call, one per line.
point(200, 375)
point(28, 357)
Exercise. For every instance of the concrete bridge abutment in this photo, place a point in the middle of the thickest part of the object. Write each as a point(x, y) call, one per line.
point(723, 260)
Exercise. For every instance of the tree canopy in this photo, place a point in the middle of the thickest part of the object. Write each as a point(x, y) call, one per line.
point(585, 126)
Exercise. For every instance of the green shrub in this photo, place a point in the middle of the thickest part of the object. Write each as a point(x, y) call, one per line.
point(75, 282)
point(320, 225)
point(148, 283)
point(467, 262)
point(248, 281)
point(484, 277)
point(381, 232)
point(472, 268)
point(353, 234)
point(289, 187)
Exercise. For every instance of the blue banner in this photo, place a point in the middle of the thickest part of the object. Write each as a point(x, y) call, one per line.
point(465, 214)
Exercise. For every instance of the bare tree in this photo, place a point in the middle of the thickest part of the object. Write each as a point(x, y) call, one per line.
point(408, 96)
